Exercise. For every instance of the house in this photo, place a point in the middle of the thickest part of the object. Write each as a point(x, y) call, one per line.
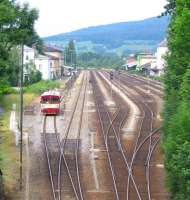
point(43, 64)
point(160, 53)
point(131, 62)
point(28, 60)
point(144, 58)
point(50, 64)
point(57, 60)
point(29, 54)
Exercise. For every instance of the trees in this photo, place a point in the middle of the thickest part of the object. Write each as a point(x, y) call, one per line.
point(176, 138)
point(70, 54)
point(90, 59)
point(169, 7)
point(16, 28)
point(32, 75)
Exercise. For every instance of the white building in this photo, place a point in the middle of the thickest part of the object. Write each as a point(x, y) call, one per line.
point(48, 65)
point(29, 55)
point(161, 52)
point(43, 64)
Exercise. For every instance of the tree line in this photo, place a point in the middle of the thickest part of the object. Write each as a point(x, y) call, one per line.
point(16, 29)
point(96, 60)
point(176, 137)
point(90, 59)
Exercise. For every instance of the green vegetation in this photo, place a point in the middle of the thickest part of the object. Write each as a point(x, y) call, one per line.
point(70, 54)
point(42, 86)
point(16, 29)
point(176, 138)
point(33, 75)
point(9, 153)
point(94, 60)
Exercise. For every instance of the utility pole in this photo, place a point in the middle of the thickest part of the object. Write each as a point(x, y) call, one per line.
point(21, 112)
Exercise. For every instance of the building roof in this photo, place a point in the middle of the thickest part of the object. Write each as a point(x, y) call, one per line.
point(27, 48)
point(40, 56)
point(163, 43)
point(146, 65)
point(144, 54)
point(48, 48)
point(52, 57)
point(46, 56)
point(68, 67)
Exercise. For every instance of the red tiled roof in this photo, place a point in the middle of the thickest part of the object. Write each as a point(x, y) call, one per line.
point(51, 49)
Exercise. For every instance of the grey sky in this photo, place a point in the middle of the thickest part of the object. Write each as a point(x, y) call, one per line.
point(58, 16)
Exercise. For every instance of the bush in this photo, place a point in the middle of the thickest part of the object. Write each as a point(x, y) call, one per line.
point(42, 86)
point(5, 87)
point(177, 152)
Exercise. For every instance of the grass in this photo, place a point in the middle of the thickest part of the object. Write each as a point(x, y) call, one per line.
point(42, 86)
point(9, 153)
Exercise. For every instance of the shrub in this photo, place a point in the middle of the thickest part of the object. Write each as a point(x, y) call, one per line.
point(42, 86)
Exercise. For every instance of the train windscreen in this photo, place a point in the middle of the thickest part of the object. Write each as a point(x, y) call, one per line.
point(50, 99)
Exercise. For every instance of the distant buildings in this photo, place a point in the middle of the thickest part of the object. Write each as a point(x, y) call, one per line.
point(131, 62)
point(161, 52)
point(50, 63)
point(148, 63)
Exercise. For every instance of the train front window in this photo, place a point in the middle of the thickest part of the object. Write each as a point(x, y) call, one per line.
point(55, 100)
point(50, 100)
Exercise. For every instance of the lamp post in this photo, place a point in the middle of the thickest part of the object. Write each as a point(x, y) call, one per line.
point(21, 113)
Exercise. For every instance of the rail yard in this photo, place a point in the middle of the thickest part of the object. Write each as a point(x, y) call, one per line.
point(104, 144)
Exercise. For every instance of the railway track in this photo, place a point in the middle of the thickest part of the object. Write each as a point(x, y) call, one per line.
point(51, 159)
point(149, 84)
point(57, 154)
point(146, 126)
point(153, 83)
point(114, 148)
point(70, 148)
point(65, 153)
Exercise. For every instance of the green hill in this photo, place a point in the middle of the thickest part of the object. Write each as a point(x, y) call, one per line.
point(125, 37)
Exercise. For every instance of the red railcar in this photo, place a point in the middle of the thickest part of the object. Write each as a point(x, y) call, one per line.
point(50, 102)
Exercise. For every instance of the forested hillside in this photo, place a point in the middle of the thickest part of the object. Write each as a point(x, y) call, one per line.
point(122, 37)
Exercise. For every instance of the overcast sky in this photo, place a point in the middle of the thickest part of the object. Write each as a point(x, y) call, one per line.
point(60, 16)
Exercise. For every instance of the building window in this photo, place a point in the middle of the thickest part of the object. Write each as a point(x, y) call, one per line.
point(27, 58)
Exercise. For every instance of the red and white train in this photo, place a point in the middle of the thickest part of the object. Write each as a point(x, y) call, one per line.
point(50, 102)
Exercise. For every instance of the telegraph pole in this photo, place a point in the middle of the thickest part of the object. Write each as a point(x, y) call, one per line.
point(21, 113)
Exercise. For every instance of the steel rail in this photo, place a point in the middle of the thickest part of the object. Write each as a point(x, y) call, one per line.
point(145, 81)
point(62, 147)
point(149, 150)
point(67, 168)
point(148, 166)
point(62, 156)
point(48, 159)
point(105, 133)
point(136, 144)
point(77, 143)
point(126, 162)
